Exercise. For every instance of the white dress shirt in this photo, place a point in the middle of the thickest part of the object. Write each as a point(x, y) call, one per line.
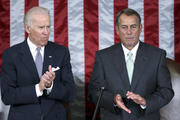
point(134, 52)
point(33, 51)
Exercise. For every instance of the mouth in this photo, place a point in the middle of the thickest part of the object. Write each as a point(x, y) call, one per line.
point(45, 38)
point(130, 38)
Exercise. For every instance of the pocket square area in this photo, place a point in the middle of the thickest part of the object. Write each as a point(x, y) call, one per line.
point(55, 69)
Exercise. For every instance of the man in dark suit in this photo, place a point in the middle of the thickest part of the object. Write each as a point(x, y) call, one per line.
point(135, 76)
point(36, 74)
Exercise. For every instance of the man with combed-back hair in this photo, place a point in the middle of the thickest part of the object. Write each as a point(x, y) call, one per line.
point(36, 74)
point(134, 74)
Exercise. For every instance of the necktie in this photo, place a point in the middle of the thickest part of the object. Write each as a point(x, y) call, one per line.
point(38, 61)
point(130, 66)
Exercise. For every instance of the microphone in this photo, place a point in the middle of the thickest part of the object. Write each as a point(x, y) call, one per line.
point(97, 104)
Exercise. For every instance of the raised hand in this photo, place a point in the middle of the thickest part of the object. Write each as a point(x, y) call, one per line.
point(119, 102)
point(47, 79)
point(136, 98)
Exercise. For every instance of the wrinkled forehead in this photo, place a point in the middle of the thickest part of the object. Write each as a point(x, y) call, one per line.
point(128, 19)
point(41, 20)
point(39, 15)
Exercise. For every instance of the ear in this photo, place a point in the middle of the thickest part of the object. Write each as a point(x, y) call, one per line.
point(140, 27)
point(117, 30)
point(27, 28)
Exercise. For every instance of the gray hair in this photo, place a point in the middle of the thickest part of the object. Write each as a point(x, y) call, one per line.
point(34, 10)
point(128, 12)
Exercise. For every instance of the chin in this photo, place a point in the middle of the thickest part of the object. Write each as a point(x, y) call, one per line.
point(131, 45)
point(44, 43)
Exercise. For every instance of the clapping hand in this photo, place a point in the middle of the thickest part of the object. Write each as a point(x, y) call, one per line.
point(47, 79)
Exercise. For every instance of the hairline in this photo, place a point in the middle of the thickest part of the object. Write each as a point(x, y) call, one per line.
point(33, 11)
point(128, 12)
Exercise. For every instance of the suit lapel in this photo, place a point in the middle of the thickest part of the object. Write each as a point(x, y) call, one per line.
point(48, 60)
point(28, 61)
point(120, 64)
point(48, 57)
point(139, 66)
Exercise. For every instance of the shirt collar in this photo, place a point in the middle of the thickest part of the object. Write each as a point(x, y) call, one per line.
point(32, 46)
point(133, 51)
point(33, 50)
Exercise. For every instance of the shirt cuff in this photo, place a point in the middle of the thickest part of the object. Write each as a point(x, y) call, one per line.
point(114, 104)
point(49, 89)
point(38, 92)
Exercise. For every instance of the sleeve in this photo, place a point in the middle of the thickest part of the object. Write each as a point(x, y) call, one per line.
point(12, 93)
point(164, 92)
point(97, 81)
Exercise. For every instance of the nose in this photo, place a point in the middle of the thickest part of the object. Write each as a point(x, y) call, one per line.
point(129, 31)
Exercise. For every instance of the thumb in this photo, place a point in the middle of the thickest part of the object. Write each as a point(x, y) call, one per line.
point(50, 68)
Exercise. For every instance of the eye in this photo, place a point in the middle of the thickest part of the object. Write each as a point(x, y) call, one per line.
point(133, 26)
point(41, 27)
point(124, 27)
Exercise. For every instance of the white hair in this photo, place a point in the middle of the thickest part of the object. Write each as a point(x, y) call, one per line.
point(34, 10)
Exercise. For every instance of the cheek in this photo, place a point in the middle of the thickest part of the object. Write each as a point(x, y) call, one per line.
point(34, 32)
point(38, 34)
point(137, 35)
point(122, 34)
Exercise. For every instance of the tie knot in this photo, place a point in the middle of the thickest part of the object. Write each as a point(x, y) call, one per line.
point(38, 49)
point(129, 54)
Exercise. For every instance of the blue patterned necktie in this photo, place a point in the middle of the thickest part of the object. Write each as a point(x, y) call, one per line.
point(38, 61)
point(130, 66)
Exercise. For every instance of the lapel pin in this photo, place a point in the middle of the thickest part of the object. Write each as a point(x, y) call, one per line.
point(50, 56)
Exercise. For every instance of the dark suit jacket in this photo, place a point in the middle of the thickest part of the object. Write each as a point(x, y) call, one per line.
point(151, 80)
point(19, 76)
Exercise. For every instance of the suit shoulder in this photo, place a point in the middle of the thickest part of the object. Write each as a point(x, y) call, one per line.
point(57, 46)
point(14, 48)
point(109, 50)
point(153, 49)
point(58, 49)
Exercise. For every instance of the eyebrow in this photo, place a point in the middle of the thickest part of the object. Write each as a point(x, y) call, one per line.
point(130, 25)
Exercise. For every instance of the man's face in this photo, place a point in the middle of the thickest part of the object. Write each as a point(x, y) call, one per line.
point(129, 30)
point(40, 30)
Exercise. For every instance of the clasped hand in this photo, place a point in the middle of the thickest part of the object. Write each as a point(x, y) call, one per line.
point(130, 95)
point(47, 79)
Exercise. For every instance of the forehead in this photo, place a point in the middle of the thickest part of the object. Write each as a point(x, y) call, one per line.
point(40, 18)
point(125, 19)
